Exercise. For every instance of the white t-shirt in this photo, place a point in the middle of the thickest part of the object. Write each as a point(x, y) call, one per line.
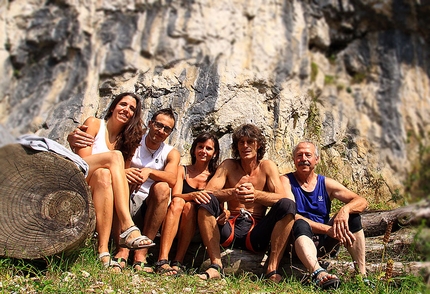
point(144, 158)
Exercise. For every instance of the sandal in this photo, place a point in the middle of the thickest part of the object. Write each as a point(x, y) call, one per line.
point(115, 262)
point(217, 268)
point(369, 283)
point(272, 273)
point(178, 267)
point(134, 243)
point(143, 268)
point(163, 268)
point(103, 255)
point(327, 281)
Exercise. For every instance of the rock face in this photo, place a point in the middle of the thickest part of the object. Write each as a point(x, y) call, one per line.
point(353, 75)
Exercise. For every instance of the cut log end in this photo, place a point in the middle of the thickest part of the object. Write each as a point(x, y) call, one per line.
point(45, 204)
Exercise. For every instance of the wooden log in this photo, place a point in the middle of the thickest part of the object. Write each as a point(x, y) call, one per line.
point(45, 204)
point(375, 222)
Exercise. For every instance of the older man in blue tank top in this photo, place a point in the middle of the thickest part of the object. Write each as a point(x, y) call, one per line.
point(313, 229)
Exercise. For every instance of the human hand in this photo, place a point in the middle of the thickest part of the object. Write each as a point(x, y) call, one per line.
point(340, 229)
point(135, 178)
point(201, 197)
point(245, 193)
point(223, 217)
point(78, 138)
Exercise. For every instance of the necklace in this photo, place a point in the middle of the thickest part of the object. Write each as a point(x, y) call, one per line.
point(152, 152)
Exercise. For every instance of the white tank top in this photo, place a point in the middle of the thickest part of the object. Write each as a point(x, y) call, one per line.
point(144, 158)
point(99, 145)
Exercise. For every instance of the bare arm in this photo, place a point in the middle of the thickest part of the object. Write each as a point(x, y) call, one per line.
point(219, 180)
point(93, 126)
point(197, 196)
point(353, 204)
point(177, 189)
point(79, 138)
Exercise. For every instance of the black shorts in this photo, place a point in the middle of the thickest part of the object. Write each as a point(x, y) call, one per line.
point(324, 243)
point(261, 233)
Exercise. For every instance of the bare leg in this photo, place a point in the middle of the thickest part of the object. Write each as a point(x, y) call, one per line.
point(211, 239)
point(278, 240)
point(170, 227)
point(156, 211)
point(307, 253)
point(101, 189)
point(187, 229)
point(357, 252)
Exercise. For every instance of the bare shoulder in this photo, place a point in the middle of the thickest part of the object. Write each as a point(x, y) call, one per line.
point(230, 163)
point(93, 125)
point(92, 120)
point(174, 155)
point(268, 166)
point(284, 178)
point(333, 184)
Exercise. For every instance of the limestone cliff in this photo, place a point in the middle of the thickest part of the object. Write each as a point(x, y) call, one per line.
point(352, 73)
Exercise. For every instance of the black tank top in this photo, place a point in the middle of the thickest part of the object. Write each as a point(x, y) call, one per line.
point(186, 188)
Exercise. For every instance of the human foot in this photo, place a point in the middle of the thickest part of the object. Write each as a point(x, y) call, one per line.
point(163, 268)
point(274, 276)
point(324, 280)
point(213, 272)
point(132, 239)
point(140, 266)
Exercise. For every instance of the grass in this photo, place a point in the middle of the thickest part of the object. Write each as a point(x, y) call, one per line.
point(82, 273)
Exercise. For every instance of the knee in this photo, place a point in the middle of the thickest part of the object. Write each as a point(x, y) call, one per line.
point(354, 223)
point(177, 204)
point(116, 158)
point(288, 206)
point(302, 228)
point(189, 209)
point(102, 178)
point(160, 191)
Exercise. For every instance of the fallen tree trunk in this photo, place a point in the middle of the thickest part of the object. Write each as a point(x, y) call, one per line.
point(45, 204)
point(375, 222)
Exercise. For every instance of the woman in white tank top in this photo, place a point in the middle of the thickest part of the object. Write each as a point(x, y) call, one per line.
point(116, 139)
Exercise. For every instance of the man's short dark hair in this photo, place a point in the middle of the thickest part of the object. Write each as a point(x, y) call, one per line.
point(165, 111)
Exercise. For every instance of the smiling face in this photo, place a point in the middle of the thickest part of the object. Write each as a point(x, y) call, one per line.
point(305, 157)
point(205, 151)
point(159, 129)
point(125, 109)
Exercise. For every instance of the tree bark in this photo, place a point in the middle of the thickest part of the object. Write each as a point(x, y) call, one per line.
point(375, 222)
point(45, 204)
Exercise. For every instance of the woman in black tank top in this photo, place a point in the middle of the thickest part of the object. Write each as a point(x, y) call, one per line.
point(181, 218)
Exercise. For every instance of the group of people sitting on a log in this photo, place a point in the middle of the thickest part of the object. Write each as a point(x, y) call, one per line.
point(133, 176)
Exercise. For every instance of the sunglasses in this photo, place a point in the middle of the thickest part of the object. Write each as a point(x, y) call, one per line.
point(159, 126)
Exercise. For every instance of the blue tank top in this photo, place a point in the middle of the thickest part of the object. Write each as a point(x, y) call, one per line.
point(313, 205)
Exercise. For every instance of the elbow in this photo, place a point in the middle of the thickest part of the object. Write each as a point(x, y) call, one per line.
point(172, 183)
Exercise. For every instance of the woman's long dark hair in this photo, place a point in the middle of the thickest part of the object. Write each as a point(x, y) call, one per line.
point(213, 163)
point(130, 137)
